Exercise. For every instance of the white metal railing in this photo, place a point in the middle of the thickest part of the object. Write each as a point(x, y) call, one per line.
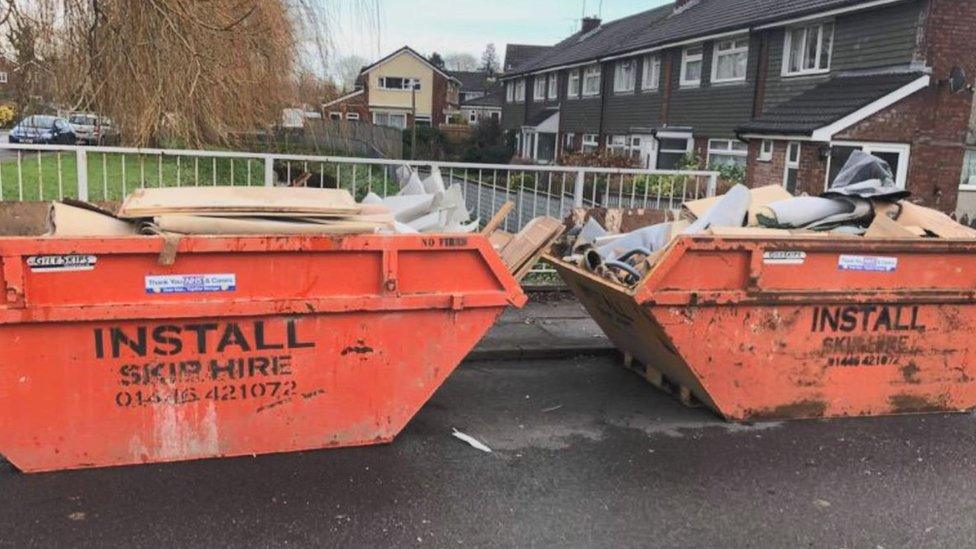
point(48, 172)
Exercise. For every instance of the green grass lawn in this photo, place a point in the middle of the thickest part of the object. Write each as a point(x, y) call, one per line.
point(50, 176)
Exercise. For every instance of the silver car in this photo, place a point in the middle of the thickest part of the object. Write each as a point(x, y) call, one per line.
point(92, 129)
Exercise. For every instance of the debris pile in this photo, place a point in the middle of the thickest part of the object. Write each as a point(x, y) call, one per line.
point(863, 201)
point(426, 206)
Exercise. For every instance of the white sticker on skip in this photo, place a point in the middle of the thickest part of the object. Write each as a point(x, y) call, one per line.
point(192, 283)
point(61, 263)
point(786, 257)
point(867, 263)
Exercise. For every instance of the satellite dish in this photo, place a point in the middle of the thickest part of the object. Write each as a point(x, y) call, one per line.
point(957, 80)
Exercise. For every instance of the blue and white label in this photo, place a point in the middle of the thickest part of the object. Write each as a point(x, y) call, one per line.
point(190, 284)
point(869, 263)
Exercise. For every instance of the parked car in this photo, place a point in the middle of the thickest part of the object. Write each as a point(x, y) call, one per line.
point(92, 129)
point(43, 129)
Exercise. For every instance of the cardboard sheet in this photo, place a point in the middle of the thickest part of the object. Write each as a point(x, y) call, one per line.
point(251, 200)
point(65, 220)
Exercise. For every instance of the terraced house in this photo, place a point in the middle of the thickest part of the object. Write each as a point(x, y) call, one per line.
point(785, 88)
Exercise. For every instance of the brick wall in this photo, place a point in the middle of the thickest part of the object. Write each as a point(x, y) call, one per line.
point(439, 101)
point(761, 173)
point(933, 121)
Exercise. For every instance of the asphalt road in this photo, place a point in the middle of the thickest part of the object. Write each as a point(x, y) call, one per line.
point(585, 454)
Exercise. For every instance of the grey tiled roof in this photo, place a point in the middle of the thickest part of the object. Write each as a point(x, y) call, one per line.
point(471, 80)
point(540, 117)
point(663, 25)
point(517, 54)
point(827, 103)
point(494, 98)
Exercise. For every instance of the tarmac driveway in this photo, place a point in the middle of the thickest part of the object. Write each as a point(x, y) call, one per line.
point(585, 454)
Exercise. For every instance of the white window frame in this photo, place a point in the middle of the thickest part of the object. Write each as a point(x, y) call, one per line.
point(689, 144)
point(592, 73)
point(726, 147)
point(590, 141)
point(406, 81)
point(765, 155)
point(568, 139)
point(622, 83)
point(335, 115)
point(617, 144)
point(903, 150)
point(520, 90)
point(388, 115)
point(788, 48)
point(472, 117)
point(553, 86)
point(651, 73)
point(510, 92)
point(686, 58)
point(739, 45)
point(3, 77)
point(792, 164)
point(968, 184)
point(574, 84)
point(539, 88)
point(352, 116)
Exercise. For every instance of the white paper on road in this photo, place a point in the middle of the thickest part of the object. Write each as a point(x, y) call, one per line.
point(475, 443)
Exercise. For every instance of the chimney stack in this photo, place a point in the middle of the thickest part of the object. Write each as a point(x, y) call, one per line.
point(590, 23)
point(680, 5)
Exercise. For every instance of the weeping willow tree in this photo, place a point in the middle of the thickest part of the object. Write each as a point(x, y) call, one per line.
point(200, 71)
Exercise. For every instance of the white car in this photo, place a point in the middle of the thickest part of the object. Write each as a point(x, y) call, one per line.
point(92, 129)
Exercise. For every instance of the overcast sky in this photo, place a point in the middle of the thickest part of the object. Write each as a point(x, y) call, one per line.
point(447, 26)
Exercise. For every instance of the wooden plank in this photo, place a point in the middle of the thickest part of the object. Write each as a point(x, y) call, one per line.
point(497, 219)
point(932, 221)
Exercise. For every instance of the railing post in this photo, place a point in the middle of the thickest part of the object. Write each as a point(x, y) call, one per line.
point(269, 173)
point(712, 184)
point(81, 165)
point(578, 189)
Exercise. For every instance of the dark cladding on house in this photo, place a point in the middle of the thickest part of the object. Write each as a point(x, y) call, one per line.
point(786, 89)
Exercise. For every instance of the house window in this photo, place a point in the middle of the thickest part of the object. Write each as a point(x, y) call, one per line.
point(520, 90)
point(3, 77)
point(539, 94)
point(730, 59)
point(590, 143)
point(895, 154)
point(509, 91)
point(727, 152)
point(616, 144)
point(591, 81)
point(691, 66)
point(672, 149)
point(424, 119)
point(807, 50)
point(568, 140)
point(334, 115)
point(968, 179)
point(472, 117)
point(495, 115)
point(766, 150)
point(573, 87)
point(792, 172)
point(398, 83)
point(651, 76)
point(392, 120)
point(352, 116)
point(624, 76)
point(553, 86)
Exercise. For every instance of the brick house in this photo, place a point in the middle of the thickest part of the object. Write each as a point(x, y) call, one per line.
point(786, 89)
point(396, 89)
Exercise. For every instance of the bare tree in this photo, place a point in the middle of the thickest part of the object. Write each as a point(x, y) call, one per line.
point(347, 70)
point(489, 60)
point(199, 71)
point(460, 62)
